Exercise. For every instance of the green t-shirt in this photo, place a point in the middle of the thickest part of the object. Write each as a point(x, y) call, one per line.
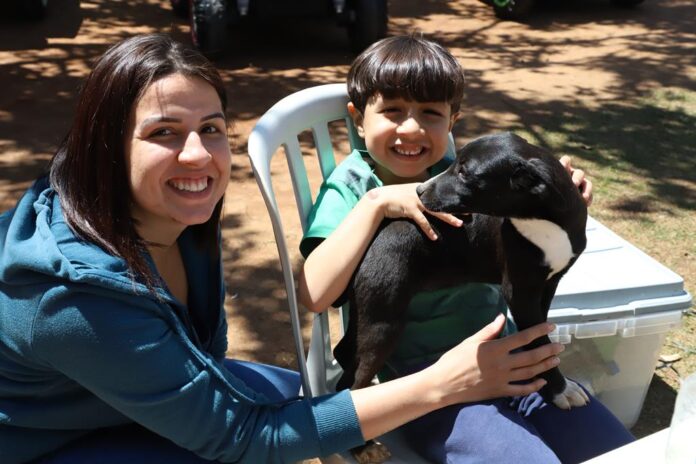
point(437, 320)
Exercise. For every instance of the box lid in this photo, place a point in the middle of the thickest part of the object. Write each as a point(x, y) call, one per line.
point(613, 278)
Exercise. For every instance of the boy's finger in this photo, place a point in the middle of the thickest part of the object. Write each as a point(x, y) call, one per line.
point(566, 162)
point(447, 217)
point(587, 191)
point(578, 176)
point(423, 223)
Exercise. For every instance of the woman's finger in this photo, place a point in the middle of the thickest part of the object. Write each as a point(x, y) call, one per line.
point(531, 357)
point(490, 331)
point(529, 372)
point(526, 336)
point(524, 389)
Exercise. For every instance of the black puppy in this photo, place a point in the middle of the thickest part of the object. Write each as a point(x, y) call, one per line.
point(526, 230)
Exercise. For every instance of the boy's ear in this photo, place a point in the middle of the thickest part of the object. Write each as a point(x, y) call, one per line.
point(454, 118)
point(357, 118)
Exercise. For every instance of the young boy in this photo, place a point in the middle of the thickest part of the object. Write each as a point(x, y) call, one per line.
point(405, 94)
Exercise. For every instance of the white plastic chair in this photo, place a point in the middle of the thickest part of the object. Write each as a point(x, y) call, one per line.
point(310, 109)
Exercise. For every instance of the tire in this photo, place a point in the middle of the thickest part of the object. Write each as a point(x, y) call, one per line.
point(181, 8)
point(33, 9)
point(209, 26)
point(368, 23)
point(512, 9)
point(626, 3)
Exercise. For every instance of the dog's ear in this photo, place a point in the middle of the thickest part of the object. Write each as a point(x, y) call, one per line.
point(527, 177)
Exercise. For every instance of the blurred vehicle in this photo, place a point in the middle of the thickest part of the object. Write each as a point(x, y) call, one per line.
point(365, 20)
point(519, 9)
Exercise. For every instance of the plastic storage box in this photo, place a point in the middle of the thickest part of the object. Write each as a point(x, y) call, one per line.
point(613, 310)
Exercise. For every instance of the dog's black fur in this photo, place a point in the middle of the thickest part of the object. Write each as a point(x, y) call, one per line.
point(496, 177)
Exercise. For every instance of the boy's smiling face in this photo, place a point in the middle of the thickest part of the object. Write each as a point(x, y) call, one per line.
point(404, 137)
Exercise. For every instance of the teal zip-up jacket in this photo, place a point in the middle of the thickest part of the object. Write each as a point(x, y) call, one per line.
point(82, 347)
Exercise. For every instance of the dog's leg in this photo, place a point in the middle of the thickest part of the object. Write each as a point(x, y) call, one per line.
point(345, 354)
point(526, 305)
point(382, 287)
point(563, 392)
point(529, 306)
point(375, 324)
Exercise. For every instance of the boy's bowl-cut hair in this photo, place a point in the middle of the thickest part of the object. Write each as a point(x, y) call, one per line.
point(408, 67)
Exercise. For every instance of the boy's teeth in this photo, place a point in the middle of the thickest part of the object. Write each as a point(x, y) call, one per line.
point(411, 152)
point(190, 185)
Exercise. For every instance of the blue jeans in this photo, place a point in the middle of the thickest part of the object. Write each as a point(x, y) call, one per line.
point(133, 444)
point(519, 430)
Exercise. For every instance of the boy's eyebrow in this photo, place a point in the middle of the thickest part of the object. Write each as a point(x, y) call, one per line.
point(160, 118)
point(213, 116)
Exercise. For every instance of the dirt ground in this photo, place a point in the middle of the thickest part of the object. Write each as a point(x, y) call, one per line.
point(571, 54)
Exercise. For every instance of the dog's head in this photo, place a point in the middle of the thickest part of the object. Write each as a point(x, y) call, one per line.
point(499, 175)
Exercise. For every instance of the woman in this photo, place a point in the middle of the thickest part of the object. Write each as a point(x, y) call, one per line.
point(112, 346)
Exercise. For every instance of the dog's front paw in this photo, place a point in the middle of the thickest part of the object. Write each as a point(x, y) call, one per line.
point(371, 452)
point(573, 395)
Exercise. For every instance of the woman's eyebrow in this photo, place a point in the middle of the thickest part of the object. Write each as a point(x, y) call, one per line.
point(156, 119)
point(159, 118)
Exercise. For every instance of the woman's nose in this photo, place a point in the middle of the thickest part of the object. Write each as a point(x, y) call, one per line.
point(194, 152)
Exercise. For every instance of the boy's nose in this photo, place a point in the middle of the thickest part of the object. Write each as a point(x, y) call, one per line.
point(410, 125)
point(194, 152)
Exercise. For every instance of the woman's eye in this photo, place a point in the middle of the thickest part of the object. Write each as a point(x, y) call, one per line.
point(162, 132)
point(433, 113)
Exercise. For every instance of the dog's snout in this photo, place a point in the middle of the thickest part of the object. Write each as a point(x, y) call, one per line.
point(420, 189)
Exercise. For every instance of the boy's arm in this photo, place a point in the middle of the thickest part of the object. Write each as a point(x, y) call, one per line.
point(329, 267)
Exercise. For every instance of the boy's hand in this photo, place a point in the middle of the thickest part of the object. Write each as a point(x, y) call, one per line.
point(402, 201)
point(579, 179)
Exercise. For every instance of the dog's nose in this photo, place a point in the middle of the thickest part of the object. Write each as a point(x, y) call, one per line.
point(420, 189)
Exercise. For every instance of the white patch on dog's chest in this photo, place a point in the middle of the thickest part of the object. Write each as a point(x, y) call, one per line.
point(550, 238)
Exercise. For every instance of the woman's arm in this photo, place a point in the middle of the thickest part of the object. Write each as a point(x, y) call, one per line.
point(328, 269)
point(479, 368)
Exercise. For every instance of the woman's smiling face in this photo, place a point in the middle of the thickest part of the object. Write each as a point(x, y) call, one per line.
point(178, 156)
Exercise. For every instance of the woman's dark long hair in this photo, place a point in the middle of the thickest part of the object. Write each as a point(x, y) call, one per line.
point(89, 169)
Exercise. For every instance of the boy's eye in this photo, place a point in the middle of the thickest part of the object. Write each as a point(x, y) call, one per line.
point(433, 112)
point(209, 129)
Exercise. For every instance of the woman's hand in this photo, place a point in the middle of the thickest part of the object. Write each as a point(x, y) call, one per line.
point(402, 201)
point(483, 366)
point(579, 179)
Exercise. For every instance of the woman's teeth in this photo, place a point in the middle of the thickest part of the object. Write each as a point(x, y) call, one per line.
point(190, 185)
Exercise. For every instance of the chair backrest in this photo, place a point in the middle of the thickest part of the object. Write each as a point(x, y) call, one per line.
point(309, 109)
